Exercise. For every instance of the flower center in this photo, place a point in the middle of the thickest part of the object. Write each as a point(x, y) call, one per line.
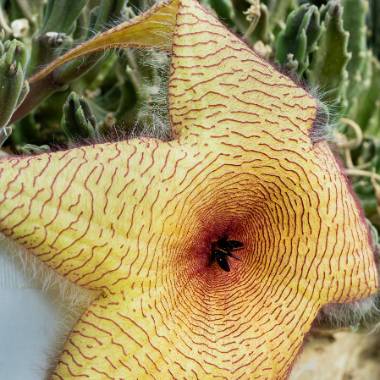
point(222, 249)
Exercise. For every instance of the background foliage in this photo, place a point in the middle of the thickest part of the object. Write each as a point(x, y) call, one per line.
point(332, 46)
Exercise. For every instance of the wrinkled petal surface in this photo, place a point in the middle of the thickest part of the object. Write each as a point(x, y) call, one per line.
point(137, 219)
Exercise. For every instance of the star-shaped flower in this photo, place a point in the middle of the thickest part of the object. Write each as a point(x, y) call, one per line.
point(140, 220)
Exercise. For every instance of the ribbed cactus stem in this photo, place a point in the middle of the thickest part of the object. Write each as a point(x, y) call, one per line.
point(298, 39)
point(328, 70)
point(354, 17)
point(78, 119)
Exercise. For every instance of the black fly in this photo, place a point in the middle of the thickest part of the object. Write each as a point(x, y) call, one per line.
point(222, 249)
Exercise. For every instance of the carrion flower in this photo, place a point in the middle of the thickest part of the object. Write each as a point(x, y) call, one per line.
point(144, 221)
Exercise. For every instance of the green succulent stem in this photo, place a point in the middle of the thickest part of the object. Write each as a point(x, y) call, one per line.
point(12, 78)
point(78, 120)
point(328, 69)
point(62, 77)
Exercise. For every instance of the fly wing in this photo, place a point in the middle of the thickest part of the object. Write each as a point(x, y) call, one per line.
point(223, 263)
point(232, 245)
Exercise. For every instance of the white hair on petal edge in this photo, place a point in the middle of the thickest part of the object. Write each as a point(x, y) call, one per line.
point(153, 116)
point(363, 312)
point(327, 117)
point(45, 277)
point(353, 314)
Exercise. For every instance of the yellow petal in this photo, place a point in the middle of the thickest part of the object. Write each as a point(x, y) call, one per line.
point(137, 219)
point(218, 83)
